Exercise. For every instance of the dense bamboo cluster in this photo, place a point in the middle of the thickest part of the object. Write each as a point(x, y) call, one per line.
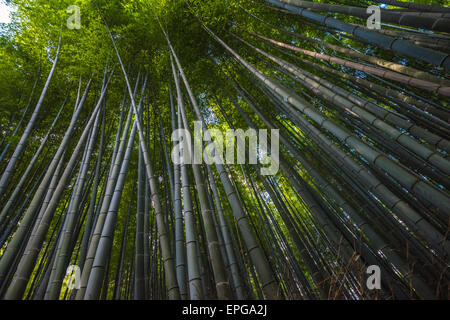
point(364, 175)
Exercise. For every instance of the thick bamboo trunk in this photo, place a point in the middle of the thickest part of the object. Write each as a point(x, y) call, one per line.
point(412, 72)
point(26, 265)
point(30, 166)
point(416, 222)
point(63, 257)
point(16, 129)
point(403, 176)
point(424, 20)
point(180, 249)
point(349, 102)
point(261, 263)
point(169, 265)
point(109, 190)
point(139, 282)
point(28, 220)
point(196, 291)
point(415, 6)
point(404, 47)
point(21, 145)
point(222, 285)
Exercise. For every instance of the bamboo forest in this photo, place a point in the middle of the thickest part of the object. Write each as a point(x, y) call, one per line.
point(101, 99)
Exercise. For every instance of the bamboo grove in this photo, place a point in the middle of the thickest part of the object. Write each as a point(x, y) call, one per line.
point(89, 190)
